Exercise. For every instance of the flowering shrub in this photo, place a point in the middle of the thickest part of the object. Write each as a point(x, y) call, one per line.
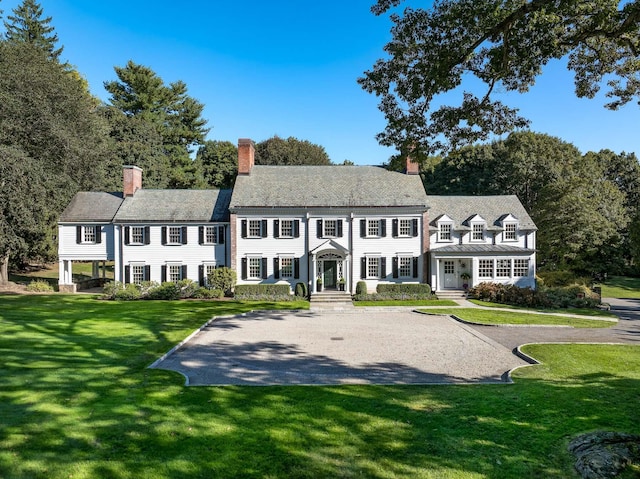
point(575, 296)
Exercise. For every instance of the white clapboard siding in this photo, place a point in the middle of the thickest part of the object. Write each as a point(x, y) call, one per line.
point(70, 249)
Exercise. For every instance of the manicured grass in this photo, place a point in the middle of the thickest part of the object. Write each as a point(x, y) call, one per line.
point(49, 272)
point(581, 311)
point(621, 287)
point(425, 302)
point(489, 316)
point(77, 401)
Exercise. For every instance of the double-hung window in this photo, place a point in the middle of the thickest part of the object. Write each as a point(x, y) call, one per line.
point(137, 235)
point(485, 268)
point(477, 232)
point(373, 267)
point(503, 268)
point(174, 272)
point(211, 234)
point(286, 228)
point(405, 265)
point(88, 234)
point(404, 227)
point(255, 268)
point(444, 232)
point(521, 267)
point(510, 232)
point(255, 228)
point(174, 235)
point(137, 273)
point(286, 267)
point(330, 228)
point(373, 227)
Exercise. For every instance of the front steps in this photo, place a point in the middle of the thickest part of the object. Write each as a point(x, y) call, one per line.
point(331, 300)
point(452, 294)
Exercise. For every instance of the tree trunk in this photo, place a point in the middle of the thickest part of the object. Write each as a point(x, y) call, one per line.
point(4, 268)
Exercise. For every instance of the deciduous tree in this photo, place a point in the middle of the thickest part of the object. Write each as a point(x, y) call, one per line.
point(218, 161)
point(475, 47)
point(278, 151)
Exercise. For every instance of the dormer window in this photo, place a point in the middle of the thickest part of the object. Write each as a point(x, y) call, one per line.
point(510, 232)
point(444, 232)
point(477, 232)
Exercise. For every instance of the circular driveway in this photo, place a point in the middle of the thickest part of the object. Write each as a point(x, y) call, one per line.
point(361, 346)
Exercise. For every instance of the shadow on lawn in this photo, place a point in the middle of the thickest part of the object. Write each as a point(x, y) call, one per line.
point(77, 399)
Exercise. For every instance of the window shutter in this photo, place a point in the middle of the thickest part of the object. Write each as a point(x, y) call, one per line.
point(395, 267)
point(383, 267)
point(98, 234)
point(264, 268)
point(163, 276)
point(339, 227)
point(147, 273)
point(363, 228)
point(184, 235)
point(319, 229)
point(147, 235)
point(243, 228)
point(276, 228)
point(383, 228)
point(394, 228)
point(127, 274)
point(164, 235)
point(201, 274)
point(414, 229)
point(126, 235)
point(415, 267)
point(363, 267)
point(296, 229)
point(264, 228)
point(78, 234)
point(200, 234)
point(220, 235)
point(296, 268)
point(184, 271)
point(276, 268)
point(244, 268)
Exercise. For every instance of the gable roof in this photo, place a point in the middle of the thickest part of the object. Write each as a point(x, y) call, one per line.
point(492, 208)
point(327, 186)
point(94, 206)
point(175, 206)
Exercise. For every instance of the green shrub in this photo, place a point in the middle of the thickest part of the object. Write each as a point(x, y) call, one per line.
point(40, 286)
point(147, 286)
point(263, 292)
point(575, 296)
point(301, 290)
point(130, 292)
point(165, 291)
point(187, 288)
point(222, 278)
point(361, 287)
point(400, 288)
point(111, 288)
point(206, 293)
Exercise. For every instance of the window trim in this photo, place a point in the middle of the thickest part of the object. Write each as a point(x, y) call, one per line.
point(278, 228)
point(450, 232)
point(518, 269)
point(482, 232)
point(490, 261)
point(513, 224)
point(146, 235)
point(367, 223)
point(81, 231)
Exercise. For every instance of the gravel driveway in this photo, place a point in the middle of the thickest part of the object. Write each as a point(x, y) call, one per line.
point(361, 346)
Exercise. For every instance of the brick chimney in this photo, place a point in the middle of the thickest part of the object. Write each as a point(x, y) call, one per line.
point(132, 180)
point(413, 168)
point(246, 156)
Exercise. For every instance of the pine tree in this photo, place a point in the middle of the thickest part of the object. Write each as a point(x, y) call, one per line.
point(26, 25)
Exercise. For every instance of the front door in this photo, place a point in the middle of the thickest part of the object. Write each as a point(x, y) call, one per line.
point(450, 276)
point(330, 275)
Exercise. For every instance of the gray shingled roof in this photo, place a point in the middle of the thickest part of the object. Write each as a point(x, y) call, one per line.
point(330, 186)
point(94, 206)
point(175, 206)
point(481, 248)
point(492, 208)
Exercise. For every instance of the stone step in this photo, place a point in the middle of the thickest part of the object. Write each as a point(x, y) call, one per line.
point(452, 294)
point(332, 297)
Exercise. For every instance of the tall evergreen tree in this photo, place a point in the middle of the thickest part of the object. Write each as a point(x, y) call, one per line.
point(27, 25)
point(139, 92)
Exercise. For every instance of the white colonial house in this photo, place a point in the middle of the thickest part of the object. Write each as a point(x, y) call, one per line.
point(326, 226)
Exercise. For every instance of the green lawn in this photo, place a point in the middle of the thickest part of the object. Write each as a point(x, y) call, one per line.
point(496, 316)
point(425, 302)
point(49, 272)
point(78, 401)
point(621, 287)
point(581, 311)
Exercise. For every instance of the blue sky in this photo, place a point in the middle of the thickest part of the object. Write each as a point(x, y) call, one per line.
point(289, 68)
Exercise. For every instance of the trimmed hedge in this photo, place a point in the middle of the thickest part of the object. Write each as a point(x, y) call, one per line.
point(396, 291)
point(301, 290)
point(361, 288)
point(263, 292)
point(183, 289)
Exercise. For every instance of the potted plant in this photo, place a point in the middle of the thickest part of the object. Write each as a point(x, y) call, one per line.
point(465, 278)
point(319, 283)
point(341, 283)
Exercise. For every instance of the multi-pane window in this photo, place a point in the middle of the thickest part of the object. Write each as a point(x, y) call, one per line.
point(521, 267)
point(211, 234)
point(89, 234)
point(404, 266)
point(330, 228)
point(286, 228)
point(477, 233)
point(485, 268)
point(503, 268)
point(255, 228)
point(208, 269)
point(255, 268)
point(137, 234)
point(174, 234)
point(137, 273)
point(449, 267)
point(373, 227)
point(445, 232)
point(174, 272)
point(286, 267)
point(373, 267)
point(510, 232)
point(404, 227)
